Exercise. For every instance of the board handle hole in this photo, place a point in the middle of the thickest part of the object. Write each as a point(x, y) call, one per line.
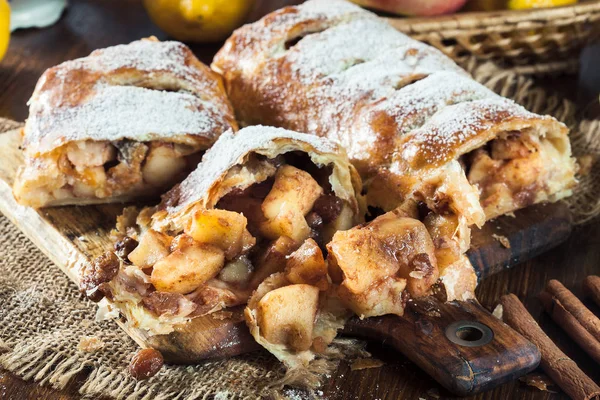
point(469, 333)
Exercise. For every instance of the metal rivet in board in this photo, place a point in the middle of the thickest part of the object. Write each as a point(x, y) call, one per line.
point(469, 333)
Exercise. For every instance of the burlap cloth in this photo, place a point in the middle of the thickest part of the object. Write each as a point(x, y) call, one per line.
point(43, 318)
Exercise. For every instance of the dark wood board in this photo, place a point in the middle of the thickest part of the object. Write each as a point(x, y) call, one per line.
point(89, 24)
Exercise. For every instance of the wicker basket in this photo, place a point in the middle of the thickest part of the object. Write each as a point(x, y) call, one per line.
point(539, 40)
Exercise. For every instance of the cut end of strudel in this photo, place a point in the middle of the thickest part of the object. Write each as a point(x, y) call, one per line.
point(125, 122)
point(249, 225)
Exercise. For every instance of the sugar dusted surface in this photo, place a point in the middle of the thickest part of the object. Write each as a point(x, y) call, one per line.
point(351, 77)
point(426, 96)
point(143, 55)
point(327, 8)
point(117, 112)
point(337, 48)
point(102, 97)
point(381, 75)
point(455, 125)
point(231, 148)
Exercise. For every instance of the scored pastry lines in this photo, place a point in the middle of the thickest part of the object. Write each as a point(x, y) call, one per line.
point(315, 43)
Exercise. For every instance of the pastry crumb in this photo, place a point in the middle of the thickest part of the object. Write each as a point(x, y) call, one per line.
point(221, 315)
point(366, 363)
point(498, 312)
point(538, 381)
point(503, 240)
point(90, 344)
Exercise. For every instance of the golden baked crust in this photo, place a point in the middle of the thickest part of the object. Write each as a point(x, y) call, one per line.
point(129, 103)
point(422, 133)
point(404, 112)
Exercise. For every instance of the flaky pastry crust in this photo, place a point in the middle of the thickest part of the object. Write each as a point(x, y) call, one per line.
point(124, 122)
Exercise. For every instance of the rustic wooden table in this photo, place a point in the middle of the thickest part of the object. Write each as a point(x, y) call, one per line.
point(91, 24)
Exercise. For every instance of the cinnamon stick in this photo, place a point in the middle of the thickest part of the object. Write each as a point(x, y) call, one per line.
point(574, 306)
point(591, 288)
point(564, 371)
point(571, 325)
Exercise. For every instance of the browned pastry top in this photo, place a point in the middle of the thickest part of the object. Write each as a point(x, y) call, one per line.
point(232, 149)
point(331, 68)
point(143, 91)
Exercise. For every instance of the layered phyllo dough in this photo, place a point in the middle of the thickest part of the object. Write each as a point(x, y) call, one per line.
point(254, 217)
point(125, 122)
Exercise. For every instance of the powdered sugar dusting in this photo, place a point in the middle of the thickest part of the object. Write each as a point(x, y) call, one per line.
point(451, 127)
point(267, 37)
point(328, 9)
point(230, 150)
point(337, 48)
point(355, 79)
point(117, 112)
point(142, 55)
point(383, 75)
point(102, 97)
point(414, 104)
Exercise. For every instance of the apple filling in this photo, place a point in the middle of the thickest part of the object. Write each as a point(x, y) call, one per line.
point(216, 257)
point(296, 313)
point(383, 263)
point(516, 170)
point(92, 171)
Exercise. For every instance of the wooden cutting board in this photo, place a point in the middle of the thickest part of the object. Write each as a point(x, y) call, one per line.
point(437, 337)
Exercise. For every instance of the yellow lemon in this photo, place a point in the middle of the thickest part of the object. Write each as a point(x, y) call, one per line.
point(524, 4)
point(198, 20)
point(4, 27)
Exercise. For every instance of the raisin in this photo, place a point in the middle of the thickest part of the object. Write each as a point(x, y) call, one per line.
point(261, 190)
point(102, 270)
point(314, 220)
point(328, 207)
point(125, 246)
point(145, 364)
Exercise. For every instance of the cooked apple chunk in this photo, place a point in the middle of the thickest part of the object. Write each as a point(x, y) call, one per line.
point(451, 237)
point(392, 250)
point(187, 268)
point(286, 315)
point(307, 265)
point(163, 164)
point(236, 271)
point(221, 228)
point(153, 247)
point(293, 195)
point(273, 259)
point(386, 296)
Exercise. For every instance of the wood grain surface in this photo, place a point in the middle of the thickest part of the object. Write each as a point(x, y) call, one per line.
point(90, 24)
point(422, 333)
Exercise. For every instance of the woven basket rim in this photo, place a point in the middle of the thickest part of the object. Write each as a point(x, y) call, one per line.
point(479, 19)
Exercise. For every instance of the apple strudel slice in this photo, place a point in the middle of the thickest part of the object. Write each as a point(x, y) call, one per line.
point(260, 199)
point(422, 133)
point(125, 122)
point(416, 126)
